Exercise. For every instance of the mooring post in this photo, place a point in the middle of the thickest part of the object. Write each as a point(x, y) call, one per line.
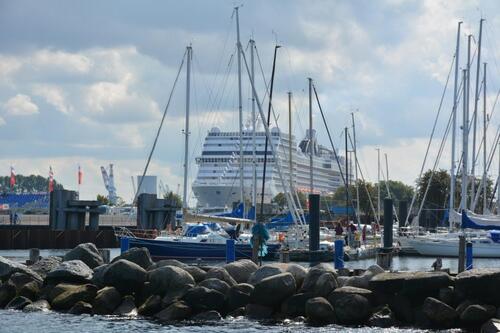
point(468, 256)
point(230, 251)
point(384, 255)
point(34, 256)
point(105, 254)
point(124, 244)
point(339, 253)
point(403, 212)
point(461, 253)
point(313, 228)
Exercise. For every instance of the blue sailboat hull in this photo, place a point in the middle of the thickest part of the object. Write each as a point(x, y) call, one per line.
point(161, 249)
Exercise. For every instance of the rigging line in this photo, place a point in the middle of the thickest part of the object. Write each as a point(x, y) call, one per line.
point(432, 135)
point(160, 127)
point(489, 161)
point(331, 142)
point(492, 42)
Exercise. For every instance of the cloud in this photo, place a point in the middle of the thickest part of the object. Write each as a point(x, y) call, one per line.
point(20, 105)
point(2, 121)
point(54, 96)
point(62, 61)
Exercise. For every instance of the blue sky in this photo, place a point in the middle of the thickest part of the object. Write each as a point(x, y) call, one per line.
point(85, 82)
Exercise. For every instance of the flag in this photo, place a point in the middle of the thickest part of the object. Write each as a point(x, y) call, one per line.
point(12, 177)
point(80, 175)
point(51, 180)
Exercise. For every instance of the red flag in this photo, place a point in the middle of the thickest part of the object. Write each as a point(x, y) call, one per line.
point(80, 175)
point(51, 180)
point(12, 177)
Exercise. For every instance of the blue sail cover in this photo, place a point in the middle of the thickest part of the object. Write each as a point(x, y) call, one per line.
point(476, 221)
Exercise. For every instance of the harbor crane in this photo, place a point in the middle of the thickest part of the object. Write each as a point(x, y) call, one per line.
point(109, 183)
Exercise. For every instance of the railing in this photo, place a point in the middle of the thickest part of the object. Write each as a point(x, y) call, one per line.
point(104, 220)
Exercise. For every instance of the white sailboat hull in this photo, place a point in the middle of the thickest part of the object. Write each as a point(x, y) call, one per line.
point(482, 247)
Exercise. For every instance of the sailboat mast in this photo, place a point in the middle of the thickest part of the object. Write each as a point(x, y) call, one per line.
point(290, 157)
point(346, 175)
point(484, 138)
point(465, 132)
point(186, 129)
point(240, 108)
point(454, 125)
point(254, 125)
point(311, 146)
point(476, 99)
point(355, 166)
point(378, 184)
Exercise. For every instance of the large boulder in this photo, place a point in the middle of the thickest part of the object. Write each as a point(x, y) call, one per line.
point(73, 294)
point(202, 299)
point(21, 279)
point(326, 283)
point(18, 303)
point(106, 300)
point(477, 314)
point(97, 277)
point(258, 311)
point(30, 290)
point(346, 291)
point(9, 267)
point(80, 308)
point(441, 314)
point(7, 292)
point(215, 284)
point(86, 252)
point(299, 273)
point(176, 311)
point(319, 310)
point(151, 306)
point(491, 326)
point(480, 284)
point(352, 309)
point(175, 295)
point(127, 307)
point(197, 273)
point(263, 272)
point(207, 316)
point(70, 271)
point(124, 275)
point(241, 270)
point(403, 308)
point(383, 317)
point(273, 290)
point(413, 284)
point(137, 255)
point(363, 280)
point(313, 275)
point(167, 262)
point(295, 305)
point(221, 274)
point(39, 306)
point(238, 296)
point(167, 278)
point(45, 265)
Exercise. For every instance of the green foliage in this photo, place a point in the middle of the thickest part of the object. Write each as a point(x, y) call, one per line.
point(280, 200)
point(28, 184)
point(174, 198)
point(103, 199)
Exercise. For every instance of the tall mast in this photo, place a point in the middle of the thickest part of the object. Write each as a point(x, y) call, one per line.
point(186, 130)
point(311, 146)
point(474, 116)
point(484, 139)
point(378, 184)
point(498, 184)
point(355, 167)
point(240, 108)
point(290, 157)
point(346, 176)
point(254, 124)
point(454, 125)
point(465, 134)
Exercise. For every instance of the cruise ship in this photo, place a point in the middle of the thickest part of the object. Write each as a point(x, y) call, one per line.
point(218, 180)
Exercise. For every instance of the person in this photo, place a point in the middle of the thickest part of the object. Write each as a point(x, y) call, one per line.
point(363, 235)
point(438, 264)
point(338, 230)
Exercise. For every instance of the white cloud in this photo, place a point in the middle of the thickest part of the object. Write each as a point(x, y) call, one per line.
point(62, 61)
point(20, 105)
point(2, 121)
point(54, 96)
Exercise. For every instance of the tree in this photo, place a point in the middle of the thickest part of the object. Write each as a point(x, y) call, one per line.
point(28, 184)
point(103, 200)
point(437, 196)
point(174, 198)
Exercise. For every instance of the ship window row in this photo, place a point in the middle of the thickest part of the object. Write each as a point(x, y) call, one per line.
point(227, 160)
point(237, 134)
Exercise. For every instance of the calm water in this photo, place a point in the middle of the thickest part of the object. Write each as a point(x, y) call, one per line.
point(15, 321)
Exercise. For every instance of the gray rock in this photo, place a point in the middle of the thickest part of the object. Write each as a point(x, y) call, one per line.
point(74, 294)
point(413, 284)
point(402, 308)
point(477, 314)
point(168, 278)
point(221, 274)
point(106, 301)
point(352, 309)
point(167, 262)
point(295, 305)
point(137, 255)
point(207, 316)
point(81, 307)
point(98, 275)
point(70, 271)
point(21, 279)
point(239, 312)
point(447, 295)
point(38, 306)
point(150, 306)
point(215, 284)
point(491, 326)
point(263, 272)
point(319, 310)
point(383, 317)
point(441, 314)
point(241, 270)
point(342, 280)
point(299, 273)
point(462, 306)
point(480, 284)
point(127, 307)
point(313, 275)
point(45, 265)
point(345, 291)
point(238, 296)
point(325, 284)
point(86, 252)
point(9, 267)
point(18, 303)
point(176, 311)
point(125, 275)
point(175, 295)
point(30, 290)
point(201, 299)
point(197, 273)
point(273, 290)
point(258, 312)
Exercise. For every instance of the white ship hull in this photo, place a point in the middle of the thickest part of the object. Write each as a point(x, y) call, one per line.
point(482, 247)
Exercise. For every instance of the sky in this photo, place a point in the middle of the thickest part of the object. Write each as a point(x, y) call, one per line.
point(86, 82)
